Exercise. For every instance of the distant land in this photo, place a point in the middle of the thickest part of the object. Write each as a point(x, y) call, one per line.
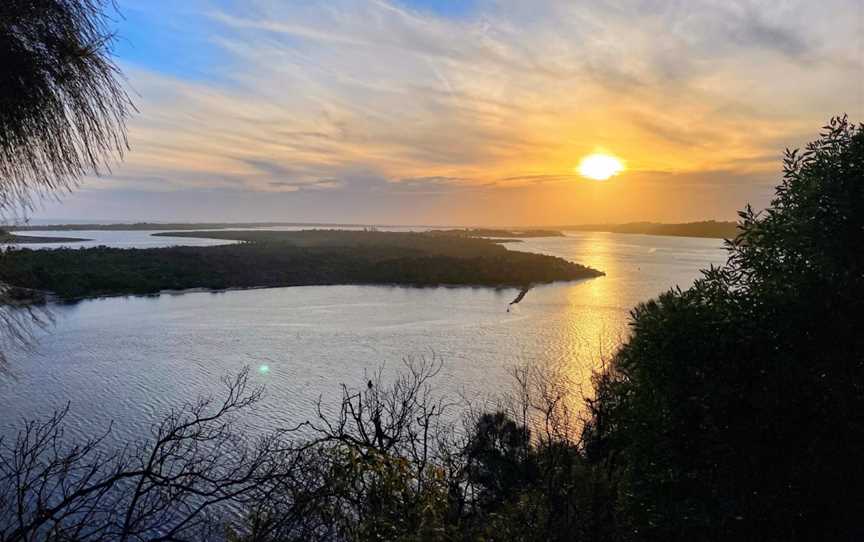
point(172, 226)
point(284, 258)
point(708, 228)
point(11, 238)
point(498, 233)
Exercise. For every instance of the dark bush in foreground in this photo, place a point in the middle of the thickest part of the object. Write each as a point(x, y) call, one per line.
point(389, 465)
point(734, 412)
point(64, 106)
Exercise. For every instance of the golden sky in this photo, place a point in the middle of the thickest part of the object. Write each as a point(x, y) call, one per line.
point(416, 113)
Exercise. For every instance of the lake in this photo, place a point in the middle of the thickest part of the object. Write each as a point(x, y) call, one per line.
point(146, 239)
point(129, 360)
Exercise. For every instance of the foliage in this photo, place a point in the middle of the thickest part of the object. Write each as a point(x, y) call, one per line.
point(389, 466)
point(315, 259)
point(62, 104)
point(62, 115)
point(172, 487)
point(731, 412)
point(21, 313)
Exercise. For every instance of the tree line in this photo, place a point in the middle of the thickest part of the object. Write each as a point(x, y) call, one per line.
point(284, 259)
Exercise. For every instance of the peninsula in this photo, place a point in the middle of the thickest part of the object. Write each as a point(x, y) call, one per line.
point(285, 258)
point(9, 238)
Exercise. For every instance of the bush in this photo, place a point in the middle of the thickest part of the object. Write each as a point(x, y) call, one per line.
point(733, 411)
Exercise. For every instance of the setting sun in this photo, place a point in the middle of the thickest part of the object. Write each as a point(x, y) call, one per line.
point(600, 167)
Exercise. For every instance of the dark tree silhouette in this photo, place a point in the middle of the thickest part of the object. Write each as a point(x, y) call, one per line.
point(63, 110)
point(20, 318)
point(173, 486)
point(63, 106)
point(369, 470)
point(734, 412)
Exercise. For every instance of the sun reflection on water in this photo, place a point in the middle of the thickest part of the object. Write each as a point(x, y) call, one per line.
point(591, 327)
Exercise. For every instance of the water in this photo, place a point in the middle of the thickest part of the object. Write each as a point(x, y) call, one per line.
point(147, 239)
point(128, 360)
point(117, 239)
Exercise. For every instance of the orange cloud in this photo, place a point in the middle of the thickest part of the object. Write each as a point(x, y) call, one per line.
point(699, 99)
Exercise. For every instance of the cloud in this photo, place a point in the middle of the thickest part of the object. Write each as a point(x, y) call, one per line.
point(349, 96)
point(320, 184)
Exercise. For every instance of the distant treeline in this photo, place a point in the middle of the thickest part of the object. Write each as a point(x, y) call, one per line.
point(500, 234)
point(165, 226)
point(708, 228)
point(436, 241)
point(270, 259)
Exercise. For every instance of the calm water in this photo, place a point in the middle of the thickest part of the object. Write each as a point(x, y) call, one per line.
point(130, 359)
point(119, 239)
point(146, 239)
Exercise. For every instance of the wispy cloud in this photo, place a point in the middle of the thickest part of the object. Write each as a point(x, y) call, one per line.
point(344, 96)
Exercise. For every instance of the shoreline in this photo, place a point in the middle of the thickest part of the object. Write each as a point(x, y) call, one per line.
point(285, 259)
point(51, 298)
point(13, 239)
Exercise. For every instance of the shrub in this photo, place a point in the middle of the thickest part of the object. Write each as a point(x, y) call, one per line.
point(731, 413)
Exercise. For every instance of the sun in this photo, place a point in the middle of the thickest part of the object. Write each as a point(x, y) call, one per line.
point(600, 167)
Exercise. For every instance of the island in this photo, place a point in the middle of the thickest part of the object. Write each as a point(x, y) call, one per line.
point(284, 258)
point(707, 229)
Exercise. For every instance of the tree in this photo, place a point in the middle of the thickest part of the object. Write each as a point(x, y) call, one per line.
point(387, 465)
point(733, 412)
point(63, 106)
point(173, 486)
point(63, 110)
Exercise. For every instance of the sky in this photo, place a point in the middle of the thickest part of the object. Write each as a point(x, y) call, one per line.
point(468, 112)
